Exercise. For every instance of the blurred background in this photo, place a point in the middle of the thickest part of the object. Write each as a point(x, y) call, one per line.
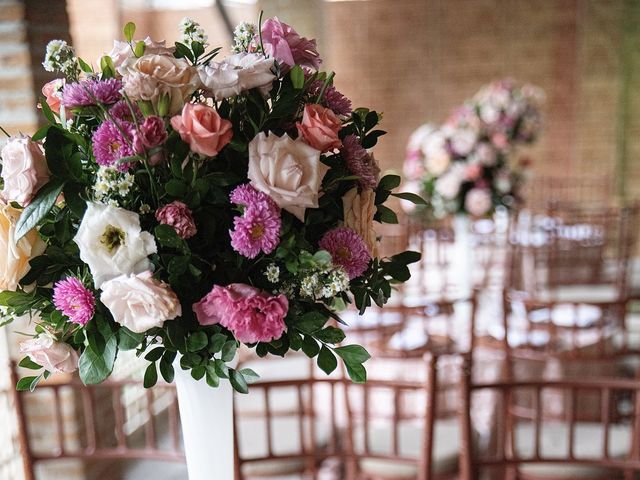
point(413, 60)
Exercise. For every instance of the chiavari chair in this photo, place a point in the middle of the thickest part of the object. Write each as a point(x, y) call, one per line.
point(544, 190)
point(110, 428)
point(543, 443)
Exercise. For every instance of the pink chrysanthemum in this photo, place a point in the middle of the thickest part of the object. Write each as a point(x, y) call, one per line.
point(90, 92)
point(257, 230)
point(110, 144)
point(331, 98)
point(177, 215)
point(74, 300)
point(347, 250)
point(359, 162)
point(121, 111)
point(248, 196)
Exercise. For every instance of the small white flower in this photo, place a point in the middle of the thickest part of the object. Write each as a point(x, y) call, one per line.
point(273, 273)
point(191, 31)
point(243, 36)
point(60, 57)
point(144, 209)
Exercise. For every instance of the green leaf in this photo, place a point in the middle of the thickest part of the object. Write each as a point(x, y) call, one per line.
point(297, 77)
point(389, 182)
point(47, 112)
point(85, 66)
point(197, 48)
point(41, 133)
point(168, 237)
point(94, 366)
point(138, 50)
point(197, 341)
point(353, 354)
point(310, 346)
point(28, 383)
point(357, 373)
point(220, 368)
point(128, 340)
point(129, 31)
point(238, 381)
point(386, 215)
point(217, 342)
point(150, 376)
point(229, 351)
point(405, 258)
point(311, 322)
point(176, 188)
point(331, 335)
point(411, 197)
point(327, 360)
point(108, 67)
point(155, 354)
point(182, 51)
point(73, 199)
point(38, 208)
point(213, 380)
point(166, 370)
point(26, 362)
point(249, 375)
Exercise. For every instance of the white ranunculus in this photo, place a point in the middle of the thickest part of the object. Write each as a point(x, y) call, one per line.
point(448, 185)
point(287, 170)
point(56, 357)
point(24, 170)
point(112, 243)
point(140, 302)
point(237, 73)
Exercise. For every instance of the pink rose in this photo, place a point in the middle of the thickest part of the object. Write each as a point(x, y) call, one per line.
point(478, 201)
point(52, 92)
point(24, 170)
point(250, 314)
point(152, 133)
point(56, 357)
point(285, 45)
point(320, 127)
point(203, 129)
point(177, 215)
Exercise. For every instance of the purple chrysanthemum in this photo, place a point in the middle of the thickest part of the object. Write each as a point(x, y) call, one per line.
point(73, 299)
point(110, 144)
point(359, 162)
point(90, 92)
point(257, 230)
point(331, 98)
point(347, 250)
point(248, 196)
point(121, 111)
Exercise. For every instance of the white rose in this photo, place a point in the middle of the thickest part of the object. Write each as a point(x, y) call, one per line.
point(56, 357)
point(420, 136)
point(287, 170)
point(24, 170)
point(121, 51)
point(478, 201)
point(112, 243)
point(358, 212)
point(152, 76)
point(140, 302)
point(448, 185)
point(14, 257)
point(437, 157)
point(237, 73)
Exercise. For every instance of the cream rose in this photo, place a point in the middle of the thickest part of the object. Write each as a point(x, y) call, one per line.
point(112, 243)
point(437, 158)
point(14, 257)
point(24, 170)
point(56, 357)
point(237, 73)
point(152, 76)
point(122, 51)
point(287, 170)
point(140, 302)
point(359, 209)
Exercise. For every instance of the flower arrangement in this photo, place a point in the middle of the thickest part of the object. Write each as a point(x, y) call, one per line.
point(179, 206)
point(463, 167)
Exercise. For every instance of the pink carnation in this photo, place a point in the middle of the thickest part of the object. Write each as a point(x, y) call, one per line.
point(177, 215)
point(250, 314)
point(285, 45)
point(74, 300)
point(347, 250)
point(152, 133)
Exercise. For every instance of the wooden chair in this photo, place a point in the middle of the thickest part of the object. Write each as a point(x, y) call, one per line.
point(539, 444)
point(393, 424)
point(287, 427)
point(110, 429)
point(544, 190)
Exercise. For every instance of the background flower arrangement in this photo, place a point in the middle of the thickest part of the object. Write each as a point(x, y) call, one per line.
point(182, 206)
point(466, 166)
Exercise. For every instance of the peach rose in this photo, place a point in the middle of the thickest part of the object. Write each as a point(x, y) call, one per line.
point(151, 77)
point(203, 129)
point(56, 357)
point(14, 257)
point(24, 170)
point(320, 127)
point(289, 171)
point(358, 210)
point(52, 92)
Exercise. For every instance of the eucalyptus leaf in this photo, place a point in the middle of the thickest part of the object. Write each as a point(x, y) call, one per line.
point(38, 208)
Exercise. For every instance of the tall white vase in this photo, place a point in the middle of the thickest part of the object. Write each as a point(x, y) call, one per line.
point(462, 261)
point(206, 414)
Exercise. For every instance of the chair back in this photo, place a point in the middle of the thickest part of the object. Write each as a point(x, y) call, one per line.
point(544, 190)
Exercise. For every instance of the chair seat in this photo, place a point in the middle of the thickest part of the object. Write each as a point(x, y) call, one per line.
point(581, 293)
point(272, 468)
point(554, 443)
point(445, 450)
